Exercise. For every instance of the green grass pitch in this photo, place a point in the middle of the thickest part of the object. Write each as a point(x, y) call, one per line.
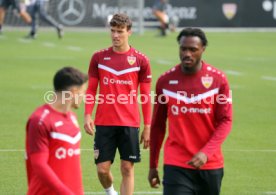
point(248, 58)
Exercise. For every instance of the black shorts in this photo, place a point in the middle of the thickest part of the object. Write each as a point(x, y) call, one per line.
point(182, 181)
point(109, 138)
point(15, 4)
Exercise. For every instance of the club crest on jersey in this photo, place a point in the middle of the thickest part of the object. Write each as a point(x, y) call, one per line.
point(131, 60)
point(207, 81)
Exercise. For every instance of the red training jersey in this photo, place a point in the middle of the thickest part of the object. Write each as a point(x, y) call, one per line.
point(119, 75)
point(199, 112)
point(58, 135)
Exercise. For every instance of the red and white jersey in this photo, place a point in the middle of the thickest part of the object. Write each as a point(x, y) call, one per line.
point(119, 75)
point(58, 135)
point(199, 112)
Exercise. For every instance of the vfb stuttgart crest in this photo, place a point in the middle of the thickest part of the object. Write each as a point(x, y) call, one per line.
point(207, 81)
point(131, 60)
point(229, 10)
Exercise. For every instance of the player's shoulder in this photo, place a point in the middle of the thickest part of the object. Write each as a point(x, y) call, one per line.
point(102, 51)
point(40, 115)
point(214, 72)
point(171, 73)
point(139, 54)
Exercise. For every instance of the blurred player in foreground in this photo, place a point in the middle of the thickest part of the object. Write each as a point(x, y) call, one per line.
point(196, 101)
point(53, 139)
point(119, 70)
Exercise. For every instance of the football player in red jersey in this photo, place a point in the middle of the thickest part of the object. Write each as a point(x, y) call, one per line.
point(53, 139)
point(118, 70)
point(196, 101)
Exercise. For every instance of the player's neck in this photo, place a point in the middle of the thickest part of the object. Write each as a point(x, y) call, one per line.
point(61, 105)
point(121, 49)
point(192, 70)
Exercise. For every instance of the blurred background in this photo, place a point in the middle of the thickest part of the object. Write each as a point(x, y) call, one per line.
point(214, 13)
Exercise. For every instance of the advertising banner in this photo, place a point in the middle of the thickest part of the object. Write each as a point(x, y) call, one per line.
point(199, 13)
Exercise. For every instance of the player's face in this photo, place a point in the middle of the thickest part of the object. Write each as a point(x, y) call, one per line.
point(78, 95)
point(119, 36)
point(190, 52)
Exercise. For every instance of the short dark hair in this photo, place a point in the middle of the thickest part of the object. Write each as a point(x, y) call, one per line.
point(68, 77)
point(191, 32)
point(121, 20)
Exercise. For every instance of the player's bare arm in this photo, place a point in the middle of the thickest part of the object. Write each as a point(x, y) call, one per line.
point(145, 136)
point(89, 124)
point(153, 178)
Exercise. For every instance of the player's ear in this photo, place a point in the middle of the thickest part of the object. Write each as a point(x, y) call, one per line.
point(74, 89)
point(129, 32)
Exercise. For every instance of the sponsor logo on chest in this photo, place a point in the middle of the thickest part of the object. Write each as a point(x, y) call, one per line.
point(176, 110)
point(108, 81)
point(63, 153)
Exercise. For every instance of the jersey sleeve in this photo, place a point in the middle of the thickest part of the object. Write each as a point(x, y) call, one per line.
point(91, 95)
point(145, 71)
point(46, 175)
point(146, 99)
point(223, 120)
point(93, 66)
point(158, 127)
point(38, 136)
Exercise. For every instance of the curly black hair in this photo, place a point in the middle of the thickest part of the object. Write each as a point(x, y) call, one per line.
point(191, 32)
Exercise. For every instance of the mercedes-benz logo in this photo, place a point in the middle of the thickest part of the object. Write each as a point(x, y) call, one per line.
point(71, 12)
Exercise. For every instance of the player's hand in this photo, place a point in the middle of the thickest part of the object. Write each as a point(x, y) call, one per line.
point(154, 178)
point(198, 160)
point(89, 125)
point(145, 136)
